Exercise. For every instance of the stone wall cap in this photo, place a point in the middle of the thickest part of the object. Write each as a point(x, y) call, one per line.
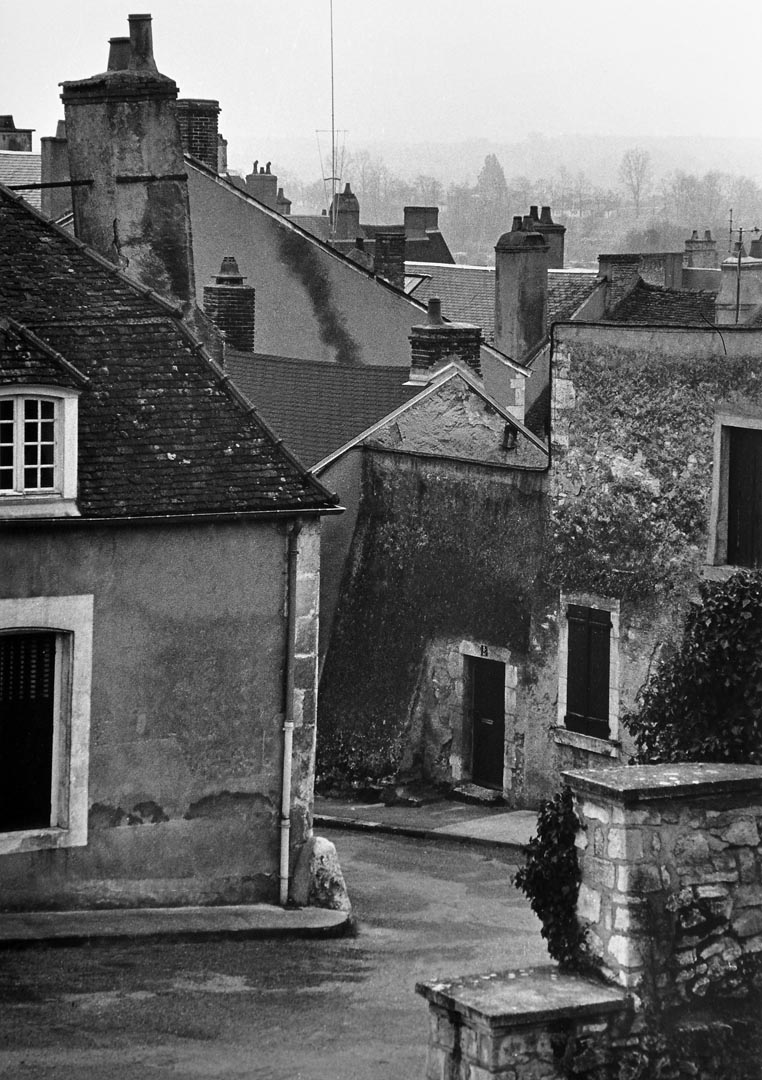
point(638, 783)
point(521, 996)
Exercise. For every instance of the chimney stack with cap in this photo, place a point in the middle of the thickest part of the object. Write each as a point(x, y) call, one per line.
point(124, 145)
point(419, 220)
point(555, 237)
point(701, 253)
point(13, 138)
point(345, 215)
point(262, 185)
point(389, 257)
point(230, 305)
point(436, 343)
point(521, 290)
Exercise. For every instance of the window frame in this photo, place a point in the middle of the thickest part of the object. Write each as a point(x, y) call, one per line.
point(562, 734)
point(717, 552)
point(60, 500)
point(70, 618)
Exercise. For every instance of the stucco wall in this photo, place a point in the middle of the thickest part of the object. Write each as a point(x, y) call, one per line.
point(186, 710)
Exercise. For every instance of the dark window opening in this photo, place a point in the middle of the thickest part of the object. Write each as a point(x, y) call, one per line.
point(27, 675)
point(744, 497)
point(588, 657)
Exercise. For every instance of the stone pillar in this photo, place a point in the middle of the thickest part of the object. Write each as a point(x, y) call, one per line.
point(671, 862)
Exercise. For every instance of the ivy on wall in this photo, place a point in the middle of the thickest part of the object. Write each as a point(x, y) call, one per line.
point(633, 490)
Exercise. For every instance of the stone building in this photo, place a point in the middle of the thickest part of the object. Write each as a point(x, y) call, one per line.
point(159, 581)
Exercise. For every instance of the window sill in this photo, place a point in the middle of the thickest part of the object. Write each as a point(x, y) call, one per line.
point(605, 747)
point(15, 843)
point(36, 506)
point(720, 572)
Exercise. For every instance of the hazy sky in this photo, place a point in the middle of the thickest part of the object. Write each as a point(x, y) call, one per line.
point(411, 70)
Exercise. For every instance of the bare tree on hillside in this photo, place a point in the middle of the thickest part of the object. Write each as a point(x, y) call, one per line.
point(635, 174)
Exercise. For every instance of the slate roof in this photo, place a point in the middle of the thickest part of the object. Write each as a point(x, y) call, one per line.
point(161, 431)
point(21, 167)
point(655, 305)
point(318, 407)
point(468, 292)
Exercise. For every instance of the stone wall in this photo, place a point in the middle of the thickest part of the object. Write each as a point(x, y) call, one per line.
point(671, 861)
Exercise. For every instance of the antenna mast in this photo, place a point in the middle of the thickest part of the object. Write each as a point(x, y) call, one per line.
point(333, 139)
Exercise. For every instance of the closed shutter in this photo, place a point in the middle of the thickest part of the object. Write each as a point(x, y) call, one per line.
point(588, 657)
point(744, 497)
point(27, 675)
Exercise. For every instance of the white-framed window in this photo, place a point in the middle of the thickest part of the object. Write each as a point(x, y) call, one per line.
point(45, 685)
point(588, 675)
point(38, 451)
point(735, 532)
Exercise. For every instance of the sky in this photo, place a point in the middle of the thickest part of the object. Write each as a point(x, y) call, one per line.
point(410, 71)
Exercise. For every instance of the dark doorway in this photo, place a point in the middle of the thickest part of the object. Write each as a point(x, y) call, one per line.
point(488, 722)
point(27, 675)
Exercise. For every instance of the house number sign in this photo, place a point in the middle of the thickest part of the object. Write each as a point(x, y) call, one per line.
point(484, 650)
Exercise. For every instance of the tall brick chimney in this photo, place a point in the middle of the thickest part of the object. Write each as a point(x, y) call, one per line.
point(198, 119)
point(436, 343)
point(389, 257)
point(521, 291)
point(124, 142)
point(230, 305)
point(345, 215)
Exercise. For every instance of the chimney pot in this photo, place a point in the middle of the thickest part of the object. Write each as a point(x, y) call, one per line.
point(708, 235)
point(533, 213)
point(545, 216)
point(141, 43)
point(119, 54)
point(434, 313)
point(518, 224)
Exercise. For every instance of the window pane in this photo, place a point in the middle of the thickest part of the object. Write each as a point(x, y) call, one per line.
point(46, 477)
point(31, 407)
point(6, 479)
point(6, 456)
point(6, 410)
point(47, 410)
point(46, 454)
point(30, 455)
point(31, 431)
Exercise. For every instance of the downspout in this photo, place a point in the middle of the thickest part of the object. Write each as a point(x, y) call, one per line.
point(288, 710)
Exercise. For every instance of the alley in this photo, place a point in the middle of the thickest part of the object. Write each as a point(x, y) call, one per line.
point(261, 1010)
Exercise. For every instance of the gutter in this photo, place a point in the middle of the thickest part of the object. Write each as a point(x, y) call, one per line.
point(218, 517)
point(288, 711)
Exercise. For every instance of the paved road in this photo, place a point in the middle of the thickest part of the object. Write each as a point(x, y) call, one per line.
point(258, 1010)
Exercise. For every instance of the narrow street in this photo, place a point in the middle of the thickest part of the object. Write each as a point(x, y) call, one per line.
point(266, 1010)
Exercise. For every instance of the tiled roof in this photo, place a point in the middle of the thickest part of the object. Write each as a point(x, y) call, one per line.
point(316, 407)
point(21, 167)
point(316, 224)
point(468, 292)
point(161, 432)
point(654, 305)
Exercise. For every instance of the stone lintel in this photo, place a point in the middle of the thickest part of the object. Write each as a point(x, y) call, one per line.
point(524, 997)
point(631, 784)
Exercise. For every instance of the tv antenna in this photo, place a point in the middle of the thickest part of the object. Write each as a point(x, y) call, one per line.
point(337, 166)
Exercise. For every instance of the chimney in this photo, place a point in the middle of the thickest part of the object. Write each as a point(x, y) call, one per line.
point(419, 219)
point(198, 120)
point(13, 138)
point(54, 169)
point(622, 273)
point(555, 237)
point(345, 215)
point(230, 305)
point(521, 291)
point(262, 185)
point(701, 253)
point(222, 155)
point(124, 143)
point(282, 204)
point(389, 258)
point(437, 343)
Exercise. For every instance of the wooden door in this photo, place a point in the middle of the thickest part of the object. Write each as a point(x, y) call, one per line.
point(488, 722)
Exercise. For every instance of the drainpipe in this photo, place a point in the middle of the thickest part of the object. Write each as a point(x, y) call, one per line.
point(288, 711)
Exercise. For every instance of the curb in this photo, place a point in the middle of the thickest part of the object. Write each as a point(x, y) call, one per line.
point(151, 925)
point(363, 825)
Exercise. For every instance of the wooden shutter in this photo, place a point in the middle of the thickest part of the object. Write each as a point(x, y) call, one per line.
point(27, 675)
point(588, 658)
point(744, 497)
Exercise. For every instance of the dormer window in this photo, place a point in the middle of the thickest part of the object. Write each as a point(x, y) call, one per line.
point(38, 451)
